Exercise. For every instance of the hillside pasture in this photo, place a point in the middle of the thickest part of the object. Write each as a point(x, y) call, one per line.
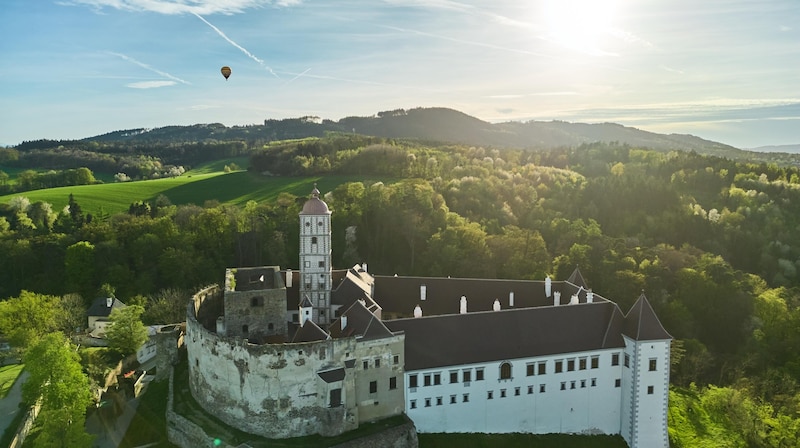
point(232, 188)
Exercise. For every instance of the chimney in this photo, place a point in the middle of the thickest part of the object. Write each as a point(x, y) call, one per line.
point(548, 286)
point(589, 296)
point(417, 311)
point(109, 302)
point(423, 292)
point(557, 298)
point(463, 305)
point(343, 320)
point(364, 267)
point(511, 299)
point(574, 299)
point(496, 305)
point(288, 278)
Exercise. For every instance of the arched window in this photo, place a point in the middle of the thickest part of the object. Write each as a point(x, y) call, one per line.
point(505, 371)
point(313, 240)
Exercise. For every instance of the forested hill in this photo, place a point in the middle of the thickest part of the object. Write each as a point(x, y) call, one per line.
point(432, 124)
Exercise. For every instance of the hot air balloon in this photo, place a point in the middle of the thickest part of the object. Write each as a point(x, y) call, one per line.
point(226, 71)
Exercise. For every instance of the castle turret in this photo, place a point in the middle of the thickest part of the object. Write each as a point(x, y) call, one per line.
point(315, 257)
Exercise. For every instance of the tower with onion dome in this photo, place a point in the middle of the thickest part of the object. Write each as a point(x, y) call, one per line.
point(315, 257)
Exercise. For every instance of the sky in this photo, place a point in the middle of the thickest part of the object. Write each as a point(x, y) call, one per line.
point(725, 70)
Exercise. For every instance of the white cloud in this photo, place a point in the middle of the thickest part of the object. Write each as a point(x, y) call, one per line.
point(150, 84)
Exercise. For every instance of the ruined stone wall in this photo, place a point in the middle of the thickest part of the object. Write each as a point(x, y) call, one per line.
point(256, 314)
point(272, 390)
point(379, 377)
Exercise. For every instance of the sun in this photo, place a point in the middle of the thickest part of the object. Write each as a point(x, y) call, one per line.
point(580, 25)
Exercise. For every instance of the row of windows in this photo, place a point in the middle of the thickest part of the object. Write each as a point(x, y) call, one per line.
point(531, 369)
point(439, 401)
point(373, 385)
point(517, 391)
point(377, 362)
point(435, 379)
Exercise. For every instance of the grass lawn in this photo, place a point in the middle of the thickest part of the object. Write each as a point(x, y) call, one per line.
point(9, 375)
point(194, 187)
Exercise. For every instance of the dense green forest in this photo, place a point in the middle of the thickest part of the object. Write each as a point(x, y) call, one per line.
point(711, 241)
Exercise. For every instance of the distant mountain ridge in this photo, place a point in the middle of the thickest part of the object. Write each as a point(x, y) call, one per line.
point(793, 149)
point(427, 124)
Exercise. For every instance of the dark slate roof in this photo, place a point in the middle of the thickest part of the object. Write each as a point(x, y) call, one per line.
point(642, 324)
point(306, 303)
point(315, 205)
point(399, 295)
point(329, 376)
point(479, 337)
point(360, 322)
point(99, 307)
point(355, 285)
point(309, 332)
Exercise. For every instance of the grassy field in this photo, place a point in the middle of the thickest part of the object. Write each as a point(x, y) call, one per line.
point(207, 182)
point(9, 375)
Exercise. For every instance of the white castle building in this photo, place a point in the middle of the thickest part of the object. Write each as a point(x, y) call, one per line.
point(456, 355)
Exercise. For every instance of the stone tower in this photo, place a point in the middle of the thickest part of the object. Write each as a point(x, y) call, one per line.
point(315, 257)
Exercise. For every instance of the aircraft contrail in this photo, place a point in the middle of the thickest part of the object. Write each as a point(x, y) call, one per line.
point(297, 76)
point(145, 66)
point(230, 41)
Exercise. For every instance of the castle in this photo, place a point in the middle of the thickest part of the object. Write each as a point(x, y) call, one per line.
point(280, 353)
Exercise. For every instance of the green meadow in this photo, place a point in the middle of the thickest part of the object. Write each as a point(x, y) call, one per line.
point(206, 183)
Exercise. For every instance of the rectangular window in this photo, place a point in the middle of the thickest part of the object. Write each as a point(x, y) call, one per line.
point(542, 368)
point(454, 377)
point(438, 401)
point(427, 402)
point(307, 264)
point(377, 363)
point(627, 360)
point(452, 399)
point(467, 376)
point(479, 374)
point(542, 388)
point(652, 364)
point(530, 369)
point(617, 382)
point(335, 398)
point(393, 383)
point(489, 395)
point(437, 379)
point(530, 390)
point(413, 404)
point(502, 393)
point(649, 390)
point(465, 398)
point(322, 264)
point(559, 366)
point(583, 384)
point(595, 362)
point(615, 359)
point(594, 382)
point(396, 359)
point(373, 387)
point(572, 384)
point(516, 391)
point(563, 385)
point(570, 365)
point(426, 380)
point(365, 364)
point(412, 380)
point(582, 364)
